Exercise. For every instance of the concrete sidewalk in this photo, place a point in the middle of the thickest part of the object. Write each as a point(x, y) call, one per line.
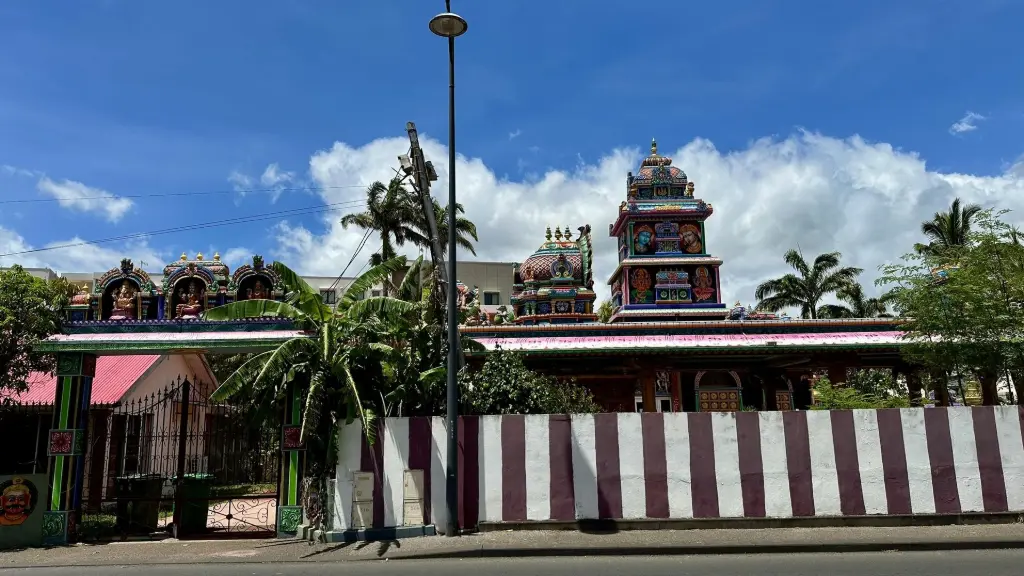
point(533, 543)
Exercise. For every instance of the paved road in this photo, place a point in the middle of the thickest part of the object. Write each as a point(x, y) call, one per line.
point(966, 563)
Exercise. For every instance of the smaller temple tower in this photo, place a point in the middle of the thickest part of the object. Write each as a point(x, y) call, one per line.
point(556, 284)
point(665, 271)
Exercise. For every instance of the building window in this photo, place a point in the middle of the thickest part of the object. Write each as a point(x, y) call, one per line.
point(375, 293)
point(664, 404)
point(492, 298)
point(639, 403)
point(329, 297)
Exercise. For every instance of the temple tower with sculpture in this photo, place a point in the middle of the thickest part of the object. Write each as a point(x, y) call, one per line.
point(665, 270)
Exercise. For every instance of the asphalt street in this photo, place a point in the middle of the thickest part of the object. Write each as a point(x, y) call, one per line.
point(964, 563)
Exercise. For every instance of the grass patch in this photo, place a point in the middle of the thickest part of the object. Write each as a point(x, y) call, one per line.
point(240, 490)
point(97, 526)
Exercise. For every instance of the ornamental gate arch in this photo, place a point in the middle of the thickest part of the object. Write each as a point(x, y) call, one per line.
point(167, 435)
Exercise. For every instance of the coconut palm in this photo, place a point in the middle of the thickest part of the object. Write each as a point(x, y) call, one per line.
point(465, 230)
point(855, 304)
point(806, 288)
point(391, 212)
point(948, 229)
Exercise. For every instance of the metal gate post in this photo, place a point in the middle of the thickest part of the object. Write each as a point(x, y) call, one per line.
point(179, 477)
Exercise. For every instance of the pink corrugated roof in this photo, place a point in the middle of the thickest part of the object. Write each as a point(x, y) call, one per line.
point(114, 376)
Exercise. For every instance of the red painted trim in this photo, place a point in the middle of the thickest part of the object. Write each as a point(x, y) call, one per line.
point(990, 464)
point(940, 453)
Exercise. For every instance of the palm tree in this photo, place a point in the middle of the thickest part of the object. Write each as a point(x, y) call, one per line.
point(855, 305)
point(392, 212)
point(806, 288)
point(465, 230)
point(948, 229)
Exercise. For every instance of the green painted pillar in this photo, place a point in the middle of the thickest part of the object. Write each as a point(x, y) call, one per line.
point(289, 503)
point(66, 445)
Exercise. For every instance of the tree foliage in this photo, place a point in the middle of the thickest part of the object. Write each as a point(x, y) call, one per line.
point(962, 305)
point(948, 230)
point(30, 311)
point(829, 397)
point(504, 385)
point(604, 311)
point(808, 286)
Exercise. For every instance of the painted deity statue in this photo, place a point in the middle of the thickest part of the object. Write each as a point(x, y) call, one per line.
point(124, 303)
point(189, 306)
point(258, 292)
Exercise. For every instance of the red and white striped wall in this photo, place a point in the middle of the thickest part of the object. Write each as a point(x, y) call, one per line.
point(697, 465)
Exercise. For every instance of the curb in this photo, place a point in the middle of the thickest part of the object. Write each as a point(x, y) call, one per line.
point(713, 549)
point(866, 521)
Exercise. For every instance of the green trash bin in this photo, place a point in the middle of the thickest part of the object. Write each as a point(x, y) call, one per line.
point(138, 502)
point(195, 499)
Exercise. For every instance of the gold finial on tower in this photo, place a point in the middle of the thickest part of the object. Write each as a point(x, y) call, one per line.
point(547, 234)
point(654, 147)
point(199, 256)
point(184, 257)
point(216, 256)
point(558, 233)
point(568, 233)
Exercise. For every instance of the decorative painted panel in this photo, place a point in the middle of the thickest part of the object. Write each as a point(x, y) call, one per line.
point(640, 285)
point(643, 239)
point(783, 400)
point(723, 400)
point(691, 238)
point(704, 284)
point(291, 438)
point(66, 442)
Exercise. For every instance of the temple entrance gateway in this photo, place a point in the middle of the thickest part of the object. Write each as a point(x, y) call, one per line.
point(198, 466)
point(227, 460)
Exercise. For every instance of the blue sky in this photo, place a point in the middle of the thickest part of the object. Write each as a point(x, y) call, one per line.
point(554, 100)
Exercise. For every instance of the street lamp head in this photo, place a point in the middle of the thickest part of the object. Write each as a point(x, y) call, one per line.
point(448, 25)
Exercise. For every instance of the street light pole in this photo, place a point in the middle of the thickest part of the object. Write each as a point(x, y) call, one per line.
point(450, 26)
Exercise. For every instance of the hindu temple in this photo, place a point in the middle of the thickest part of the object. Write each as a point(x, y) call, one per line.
point(671, 343)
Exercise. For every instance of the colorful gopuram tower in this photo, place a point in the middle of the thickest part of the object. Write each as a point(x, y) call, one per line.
point(665, 271)
point(555, 284)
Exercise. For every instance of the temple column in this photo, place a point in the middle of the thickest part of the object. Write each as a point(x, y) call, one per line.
point(66, 445)
point(647, 380)
point(914, 388)
point(289, 503)
point(837, 374)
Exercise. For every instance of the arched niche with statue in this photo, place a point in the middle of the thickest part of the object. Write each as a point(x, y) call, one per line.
point(191, 287)
point(255, 281)
point(124, 293)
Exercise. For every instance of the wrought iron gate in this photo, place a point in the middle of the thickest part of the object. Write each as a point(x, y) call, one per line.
point(176, 462)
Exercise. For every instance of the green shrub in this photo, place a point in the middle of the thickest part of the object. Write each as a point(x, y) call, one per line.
point(504, 385)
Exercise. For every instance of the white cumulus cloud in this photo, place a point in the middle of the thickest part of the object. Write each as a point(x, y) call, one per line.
point(807, 191)
point(77, 196)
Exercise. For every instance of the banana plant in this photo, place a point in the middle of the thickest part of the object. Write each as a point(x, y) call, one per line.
point(326, 356)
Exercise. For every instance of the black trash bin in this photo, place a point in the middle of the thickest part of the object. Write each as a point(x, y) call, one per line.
point(138, 502)
point(195, 498)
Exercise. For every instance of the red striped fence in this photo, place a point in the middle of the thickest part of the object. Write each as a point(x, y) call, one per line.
point(697, 465)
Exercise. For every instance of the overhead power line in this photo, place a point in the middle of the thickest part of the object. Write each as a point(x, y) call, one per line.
point(334, 207)
point(355, 253)
point(177, 194)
